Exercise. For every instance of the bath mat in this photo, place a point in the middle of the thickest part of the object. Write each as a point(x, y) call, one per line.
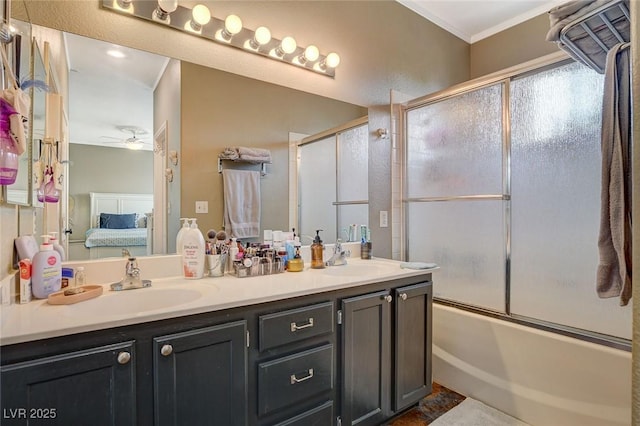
point(474, 413)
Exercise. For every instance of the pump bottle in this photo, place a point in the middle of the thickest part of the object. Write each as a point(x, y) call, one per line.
point(193, 248)
point(181, 232)
point(53, 239)
point(317, 251)
point(46, 275)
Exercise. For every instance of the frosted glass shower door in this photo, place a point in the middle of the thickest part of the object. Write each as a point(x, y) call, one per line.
point(454, 197)
point(555, 132)
point(317, 186)
point(353, 179)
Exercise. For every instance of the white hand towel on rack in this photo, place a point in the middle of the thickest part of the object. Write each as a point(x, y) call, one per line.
point(241, 203)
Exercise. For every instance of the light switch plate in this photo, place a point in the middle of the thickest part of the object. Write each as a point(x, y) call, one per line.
point(384, 219)
point(202, 207)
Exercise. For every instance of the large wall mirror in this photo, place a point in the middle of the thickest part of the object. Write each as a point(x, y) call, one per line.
point(117, 104)
point(22, 52)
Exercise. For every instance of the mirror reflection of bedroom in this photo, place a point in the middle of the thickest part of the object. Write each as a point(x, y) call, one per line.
point(111, 148)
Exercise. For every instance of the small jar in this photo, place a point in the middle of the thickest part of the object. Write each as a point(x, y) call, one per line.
point(81, 278)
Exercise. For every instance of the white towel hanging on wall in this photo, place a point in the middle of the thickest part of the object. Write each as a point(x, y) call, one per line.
point(241, 203)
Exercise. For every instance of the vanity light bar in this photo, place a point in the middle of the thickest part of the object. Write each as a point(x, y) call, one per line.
point(232, 34)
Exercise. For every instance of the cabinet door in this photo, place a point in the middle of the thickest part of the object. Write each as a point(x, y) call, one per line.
point(200, 376)
point(412, 344)
point(366, 358)
point(95, 386)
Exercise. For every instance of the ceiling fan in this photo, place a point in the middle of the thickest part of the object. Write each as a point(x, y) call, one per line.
point(132, 142)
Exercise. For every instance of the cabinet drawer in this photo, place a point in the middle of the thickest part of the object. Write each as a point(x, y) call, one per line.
point(294, 325)
point(294, 378)
point(321, 415)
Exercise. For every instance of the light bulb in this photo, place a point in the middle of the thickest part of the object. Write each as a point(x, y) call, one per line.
point(311, 53)
point(168, 6)
point(233, 24)
point(201, 14)
point(164, 9)
point(332, 60)
point(262, 35)
point(288, 45)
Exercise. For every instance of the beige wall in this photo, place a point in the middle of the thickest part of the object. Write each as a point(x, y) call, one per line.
point(99, 169)
point(510, 47)
point(220, 109)
point(166, 108)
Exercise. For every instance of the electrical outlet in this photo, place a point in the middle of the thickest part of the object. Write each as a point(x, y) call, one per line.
point(202, 207)
point(384, 219)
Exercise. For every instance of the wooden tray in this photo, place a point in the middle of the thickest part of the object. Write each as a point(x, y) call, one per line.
point(59, 298)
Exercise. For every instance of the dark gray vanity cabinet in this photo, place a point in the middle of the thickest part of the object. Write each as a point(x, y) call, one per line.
point(366, 358)
point(386, 352)
point(412, 344)
point(200, 376)
point(296, 366)
point(94, 386)
point(351, 356)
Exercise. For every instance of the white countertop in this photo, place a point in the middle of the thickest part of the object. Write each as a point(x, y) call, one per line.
point(176, 296)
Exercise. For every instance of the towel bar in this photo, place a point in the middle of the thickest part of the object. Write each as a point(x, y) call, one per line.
point(263, 166)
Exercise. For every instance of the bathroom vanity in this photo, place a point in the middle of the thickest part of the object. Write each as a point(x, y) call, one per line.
point(344, 345)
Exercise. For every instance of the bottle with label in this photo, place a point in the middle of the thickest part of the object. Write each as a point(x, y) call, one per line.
point(317, 252)
point(233, 254)
point(181, 232)
point(193, 248)
point(46, 277)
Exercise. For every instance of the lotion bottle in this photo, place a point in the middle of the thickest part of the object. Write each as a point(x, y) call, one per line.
point(193, 248)
point(46, 275)
point(53, 238)
point(317, 252)
point(181, 232)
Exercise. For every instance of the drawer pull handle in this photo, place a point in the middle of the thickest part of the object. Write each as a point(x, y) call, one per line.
point(295, 327)
point(124, 357)
point(403, 296)
point(166, 350)
point(388, 298)
point(295, 380)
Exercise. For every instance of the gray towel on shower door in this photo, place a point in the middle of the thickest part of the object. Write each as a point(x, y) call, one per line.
point(614, 242)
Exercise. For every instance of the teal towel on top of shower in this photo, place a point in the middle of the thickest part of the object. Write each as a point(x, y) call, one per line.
point(418, 265)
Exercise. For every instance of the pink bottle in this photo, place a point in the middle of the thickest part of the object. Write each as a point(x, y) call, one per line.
point(8, 150)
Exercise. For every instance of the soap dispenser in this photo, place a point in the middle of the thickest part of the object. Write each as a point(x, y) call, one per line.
point(317, 251)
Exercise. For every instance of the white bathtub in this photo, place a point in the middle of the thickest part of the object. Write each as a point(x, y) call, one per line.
point(538, 377)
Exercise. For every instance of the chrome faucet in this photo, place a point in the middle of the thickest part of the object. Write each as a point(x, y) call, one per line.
point(132, 279)
point(339, 256)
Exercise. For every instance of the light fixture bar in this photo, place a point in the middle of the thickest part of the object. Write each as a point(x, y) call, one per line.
point(215, 30)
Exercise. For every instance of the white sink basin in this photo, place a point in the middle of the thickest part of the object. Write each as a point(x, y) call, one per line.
point(132, 302)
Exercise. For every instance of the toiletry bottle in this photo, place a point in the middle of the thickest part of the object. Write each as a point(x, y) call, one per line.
point(80, 278)
point(181, 232)
point(67, 278)
point(296, 264)
point(365, 245)
point(56, 245)
point(25, 281)
point(233, 254)
point(317, 252)
point(46, 275)
point(193, 248)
